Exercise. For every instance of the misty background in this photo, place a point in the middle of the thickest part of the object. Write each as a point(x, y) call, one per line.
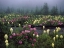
point(32, 6)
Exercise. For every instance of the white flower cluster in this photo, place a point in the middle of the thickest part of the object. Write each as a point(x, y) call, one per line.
point(6, 40)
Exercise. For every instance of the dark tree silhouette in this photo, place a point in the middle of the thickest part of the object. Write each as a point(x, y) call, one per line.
point(45, 9)
point(54, 11)
point(8, 10)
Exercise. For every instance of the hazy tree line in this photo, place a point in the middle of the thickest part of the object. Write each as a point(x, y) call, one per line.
point(44, 10)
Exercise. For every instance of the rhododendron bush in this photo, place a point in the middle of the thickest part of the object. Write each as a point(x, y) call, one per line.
point(26, 38)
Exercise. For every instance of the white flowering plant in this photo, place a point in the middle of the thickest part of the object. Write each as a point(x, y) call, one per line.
point(59, 41)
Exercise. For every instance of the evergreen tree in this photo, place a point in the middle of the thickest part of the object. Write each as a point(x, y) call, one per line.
point(18, 10)
point(8, 10)
point(31, 12)
point(36, 11)
point(45, 9)
point(54, 11)
point(60, 11)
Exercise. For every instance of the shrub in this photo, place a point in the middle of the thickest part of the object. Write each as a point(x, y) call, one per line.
point(44, 41)
point(3, 30)
point(59, 42)
point(25, 39)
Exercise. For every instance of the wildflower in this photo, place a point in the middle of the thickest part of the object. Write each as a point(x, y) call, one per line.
point(13, 34)
point(44, 31)
point(54, 31)
point(53, 45)
point(27, 31)
point(48, 30)
point(29, 26)
point(34, 29)
point(6, 36)
point(8, 23)
point(43, 27)
point(11, 30)
point(33, 34)
point(20, 42)
point(32, 44)
point(10, 36)
point(34, 21)
point(34, 40)
point(19, 25)
point(60, 23)
point(23, 32)
point(57, 30)
point(56, 27)
point(56, 36)
point(24, 26)
point(6, 41)
point(61, 36)
point(37, 35)
point(7, 44)
point(12, 22)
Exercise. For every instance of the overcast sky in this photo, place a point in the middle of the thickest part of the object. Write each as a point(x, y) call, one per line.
point(30, 3)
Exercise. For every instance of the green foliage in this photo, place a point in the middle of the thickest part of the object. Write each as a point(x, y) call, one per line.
point(4, 28)
point(59, 43)
point(44, 41)
point(24, 39)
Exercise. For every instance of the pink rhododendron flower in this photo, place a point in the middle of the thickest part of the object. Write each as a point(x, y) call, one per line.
point(24, 26)
point(34, 29)
point(23, 32)
point(27, 31)
point(60, 23)
point(13, 34)
point(10, 36)
point(35, 33)
point(32, 44)
point(20, 42)
point(29, 26)
point(34, 40)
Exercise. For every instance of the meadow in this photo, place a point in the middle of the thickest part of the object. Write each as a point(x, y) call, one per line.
point(19, 31)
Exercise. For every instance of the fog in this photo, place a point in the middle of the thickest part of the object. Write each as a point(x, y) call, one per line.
point(30, 4)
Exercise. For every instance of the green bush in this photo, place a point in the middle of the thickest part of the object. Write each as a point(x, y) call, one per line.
point(24, 39)
point(3, 30)
point(59, 43)
point(44, 41)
